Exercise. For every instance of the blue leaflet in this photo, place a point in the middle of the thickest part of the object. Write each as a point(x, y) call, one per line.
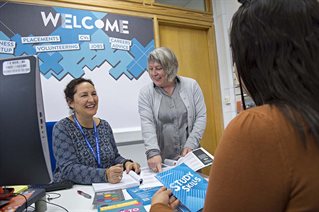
point(144, 195)
point(188, 186)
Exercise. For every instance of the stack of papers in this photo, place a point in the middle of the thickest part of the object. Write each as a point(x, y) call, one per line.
point(196, 160)
point(126, 182)
point(148, 176)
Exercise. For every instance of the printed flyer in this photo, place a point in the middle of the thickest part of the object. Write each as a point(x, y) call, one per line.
point(187, 186)
point(144, 195)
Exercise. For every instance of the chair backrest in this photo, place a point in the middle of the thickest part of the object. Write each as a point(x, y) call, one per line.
point(49, 126)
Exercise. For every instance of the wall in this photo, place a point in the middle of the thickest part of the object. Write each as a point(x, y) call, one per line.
point(161, 14)
point(134, 151)
point(223, 11)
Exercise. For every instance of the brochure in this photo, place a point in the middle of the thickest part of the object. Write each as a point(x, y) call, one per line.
point(186, 185)
point(108, 197)
point(123, 206)
point(196, 160)
point(144, 195)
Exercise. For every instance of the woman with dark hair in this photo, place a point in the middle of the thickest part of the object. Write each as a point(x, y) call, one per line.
point(83, 145)
point(268, 157)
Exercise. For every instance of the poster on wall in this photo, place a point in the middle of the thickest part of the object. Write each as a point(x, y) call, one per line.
point(110, 49)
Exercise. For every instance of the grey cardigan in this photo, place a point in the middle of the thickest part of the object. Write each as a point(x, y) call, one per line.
point(148, 106)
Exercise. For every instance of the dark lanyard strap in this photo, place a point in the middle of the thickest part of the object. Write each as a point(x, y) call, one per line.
point(96, 136)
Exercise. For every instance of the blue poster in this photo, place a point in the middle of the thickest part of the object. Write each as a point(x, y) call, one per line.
point(110, 49)
point(186, 185)
point(66, 40)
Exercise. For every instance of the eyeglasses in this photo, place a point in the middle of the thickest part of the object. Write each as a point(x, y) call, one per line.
point(158, 68)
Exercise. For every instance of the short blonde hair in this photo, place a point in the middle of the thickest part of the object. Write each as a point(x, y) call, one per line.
point(167, 59)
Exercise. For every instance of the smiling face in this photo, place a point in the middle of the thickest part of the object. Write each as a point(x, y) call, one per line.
point(157, 74)
point(85, 100)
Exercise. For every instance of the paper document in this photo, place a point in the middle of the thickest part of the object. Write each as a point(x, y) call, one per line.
point(108, 197)
point(126, 182)
point(144, 195)
point(145, 179)
point(186, 185)
point(149, 179)
point(196, 160)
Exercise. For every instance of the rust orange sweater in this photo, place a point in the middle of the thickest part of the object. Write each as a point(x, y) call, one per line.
point(261, 165)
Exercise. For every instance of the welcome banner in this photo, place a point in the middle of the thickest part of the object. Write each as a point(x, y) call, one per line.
point(110, 49)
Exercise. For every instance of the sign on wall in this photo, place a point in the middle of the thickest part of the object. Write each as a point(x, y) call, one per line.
point(110, 49)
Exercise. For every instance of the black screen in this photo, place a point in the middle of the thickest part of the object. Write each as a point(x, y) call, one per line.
point(24, 152)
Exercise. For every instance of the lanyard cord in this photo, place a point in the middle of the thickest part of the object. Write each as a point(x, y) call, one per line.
point(96, 136)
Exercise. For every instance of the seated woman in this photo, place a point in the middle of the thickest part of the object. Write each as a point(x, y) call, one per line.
point(83, 145)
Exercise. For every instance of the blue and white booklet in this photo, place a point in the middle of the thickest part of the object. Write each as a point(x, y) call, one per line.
point(143, 195)
point(186, 185)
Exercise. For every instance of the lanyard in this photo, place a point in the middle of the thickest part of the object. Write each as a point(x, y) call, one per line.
point(97, 155)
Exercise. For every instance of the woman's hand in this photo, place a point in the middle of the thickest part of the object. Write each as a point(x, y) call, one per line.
point(132, 166)
point(165, 196)
point(114, 173)
point(155, 163)
point(185, 151)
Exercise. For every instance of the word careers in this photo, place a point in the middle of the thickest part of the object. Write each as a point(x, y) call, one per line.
point(186, 182)
point(70, 21)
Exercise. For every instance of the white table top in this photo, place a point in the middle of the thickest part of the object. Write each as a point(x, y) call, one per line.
point(74, 202)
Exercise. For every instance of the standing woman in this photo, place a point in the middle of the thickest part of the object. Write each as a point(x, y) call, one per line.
point(83, 145)
point(172, 110)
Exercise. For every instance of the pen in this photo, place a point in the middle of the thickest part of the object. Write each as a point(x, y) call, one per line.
point(84, 194)
point(136, 176)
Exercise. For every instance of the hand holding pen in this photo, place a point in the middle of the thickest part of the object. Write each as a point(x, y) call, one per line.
point(114, 173)
point(136, 176)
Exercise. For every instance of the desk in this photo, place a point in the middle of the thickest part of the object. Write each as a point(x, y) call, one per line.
point(74, 202)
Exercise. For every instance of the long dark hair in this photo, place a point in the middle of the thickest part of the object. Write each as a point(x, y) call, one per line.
point(275, 46)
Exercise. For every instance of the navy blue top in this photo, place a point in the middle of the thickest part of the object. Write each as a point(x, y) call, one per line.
point(74, 160)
